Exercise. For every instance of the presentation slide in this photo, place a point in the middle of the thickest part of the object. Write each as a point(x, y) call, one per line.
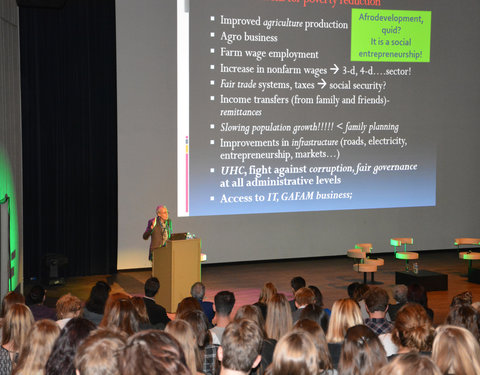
point(302, 106)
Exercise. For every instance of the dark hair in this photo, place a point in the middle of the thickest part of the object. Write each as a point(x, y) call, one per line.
point(98, 297)
point(317, 314)
point(224, 302)
point(416, 293)
point(153, 352)
point(10, 299)
point(464, 298)
point(376, 299)
point(360, 292)
point(151, 286)
point(63, 353)
point(36, 295)
point(297, 283)
point(465, 316)
point(122, 317)
point(199, 322)
point(318, 295)
point(351, 289)
point(186, 305)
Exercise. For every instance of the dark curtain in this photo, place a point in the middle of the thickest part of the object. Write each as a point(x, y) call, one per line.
point(69, 119)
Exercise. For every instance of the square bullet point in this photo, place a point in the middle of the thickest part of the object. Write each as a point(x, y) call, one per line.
point(212, 142)
point(212, 18)
point(212, 126)
point(212, 67)
point(212, 82)
point(212, 170)
point(212, 98)
point(212, 198)
point(212, 34)
point(212, 50)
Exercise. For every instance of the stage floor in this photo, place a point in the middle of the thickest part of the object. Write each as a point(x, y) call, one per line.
point(331, 275)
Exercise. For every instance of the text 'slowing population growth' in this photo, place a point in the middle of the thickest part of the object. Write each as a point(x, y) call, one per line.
point(301, 106)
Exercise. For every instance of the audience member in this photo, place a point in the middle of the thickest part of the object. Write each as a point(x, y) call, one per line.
point(295, 353)
point(98, 354)
point(37, 348)
point(68, 307)
point(122, 318)
point(345, 314)
point(359, 297)
point(279, 317)
point(35, 300)
point(325, 365)
point(465, 316)
point(376, 302)
point(10, 299)
point(410, 363)
point(142, 315)
point(456, 351)
point(352, 288)
point(317, 314)
point(464, 298)
point(186, 305)
point(268, 291)
point(303, 297)
point(400, 295)
point(198, 291)
point(156, 313)
point(241, 347)
point(16, 326)
point(61, 358)
point(362, 352)
point(319, 298)
point(296, 283)
point(95, 305)
point(153, 352)
point(224, 302)
point(416, 294)
point(182, 331)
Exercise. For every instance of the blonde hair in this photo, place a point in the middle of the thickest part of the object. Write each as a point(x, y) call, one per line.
point(410, 363)
point(295, 353)
point(268, 291)
point(413, 328)
point(16, 325)
point(279, 317)
point(68, 306)
point(456, 351)
point(183, 332)
point(345, 314)
point(37, 348)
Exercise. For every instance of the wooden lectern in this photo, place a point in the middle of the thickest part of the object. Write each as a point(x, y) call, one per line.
point(177, 267)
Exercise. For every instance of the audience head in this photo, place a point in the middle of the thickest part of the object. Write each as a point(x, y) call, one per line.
point(10, 299)
point(351, 289)
point(241, 346)
point(122, 317)
point(153, 352)
point(253, 313)
point(16, 325)
point(376, 300)
point(304, 296)
point(186, 305)
point(98, 354)
point(345, 314)
point(400, 293)
point(362, 352)
point(413, 328)
point(360, 291)
point(198, 291)
point(318, 295)
point(295, 353)
point(416, 293)
point(141, 309)
point(319, 339)
point(37, 348)
point(410, 363)
point(61, 359)
point(456, 351)
point(268, 291)
point(182, 331)
point(224, 302)
point(199, 323)
point(465, 316)
point(98, 297)
point(151, 287)
point(112, 298)
point(279, 317)
point(37, 295)
point(464, 298)
point(317, 314)
point(68, 306)
point(297, 283)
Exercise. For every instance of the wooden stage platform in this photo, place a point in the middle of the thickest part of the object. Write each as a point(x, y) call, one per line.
point(331, 275)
